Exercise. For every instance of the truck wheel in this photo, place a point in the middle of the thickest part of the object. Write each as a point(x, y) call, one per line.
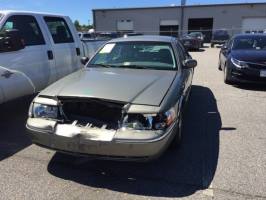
point(212, 45)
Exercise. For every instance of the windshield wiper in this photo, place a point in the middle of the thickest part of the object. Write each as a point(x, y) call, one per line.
point(102, 65)
point(132, 66)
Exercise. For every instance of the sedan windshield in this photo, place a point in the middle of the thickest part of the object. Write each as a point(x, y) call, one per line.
point(139, 55)
point(250, 43)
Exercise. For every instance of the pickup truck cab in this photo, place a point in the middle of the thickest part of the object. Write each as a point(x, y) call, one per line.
point(36, 49)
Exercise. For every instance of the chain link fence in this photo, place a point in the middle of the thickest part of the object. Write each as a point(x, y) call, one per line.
point(207, 33)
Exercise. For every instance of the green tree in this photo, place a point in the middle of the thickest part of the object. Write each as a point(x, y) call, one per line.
point(82, 27)
point(77, 25)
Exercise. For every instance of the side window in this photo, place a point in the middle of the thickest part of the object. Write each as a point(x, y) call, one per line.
point(59, 30)
point(181, 52)
point(28, 27)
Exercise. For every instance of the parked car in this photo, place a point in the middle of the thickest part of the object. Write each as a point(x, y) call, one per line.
point(36, 50)
point(107, 35)
point(199, 36)
point(243, 59)
point(86, 36)
point(132, 34)
point(127, 103)
point(219, 37)
point(190, 43)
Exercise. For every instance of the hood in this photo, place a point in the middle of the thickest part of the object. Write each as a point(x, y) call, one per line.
point(136, 86)
point(256, 56)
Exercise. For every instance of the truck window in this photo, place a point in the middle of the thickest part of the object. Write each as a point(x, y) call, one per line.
point(59, 30)
point(28, 27)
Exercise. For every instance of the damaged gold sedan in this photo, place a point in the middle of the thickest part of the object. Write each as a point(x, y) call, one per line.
point(126, 104)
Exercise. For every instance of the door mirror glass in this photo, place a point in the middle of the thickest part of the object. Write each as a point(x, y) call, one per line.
point(190, 63)
point(224, 47)
point(84, 60)
point(11, 40)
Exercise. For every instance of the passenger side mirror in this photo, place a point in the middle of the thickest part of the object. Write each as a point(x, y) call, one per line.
point(190, 63)
point(11, 40)
point(84, 60)
point(224, 47)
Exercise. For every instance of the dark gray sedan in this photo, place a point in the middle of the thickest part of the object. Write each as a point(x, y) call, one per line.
point(126, 103)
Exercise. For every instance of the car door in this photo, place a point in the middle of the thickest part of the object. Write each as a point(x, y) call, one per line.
point(65, 52)
point(25, 71)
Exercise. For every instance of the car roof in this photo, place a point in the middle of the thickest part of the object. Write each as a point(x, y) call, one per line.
point(19, 12)
point(145, 38)
point(250, 35)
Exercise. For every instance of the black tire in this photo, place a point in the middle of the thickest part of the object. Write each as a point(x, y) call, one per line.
point(227, 76)
point(178, 136)
point(212, 45)
point(219, 65)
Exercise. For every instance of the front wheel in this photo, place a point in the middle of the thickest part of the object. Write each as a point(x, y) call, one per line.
point(178, 136)
point(219, 65)
point(212, 45)
point(227, 76)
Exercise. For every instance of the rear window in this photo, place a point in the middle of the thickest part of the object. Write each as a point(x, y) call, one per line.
point(221, 32)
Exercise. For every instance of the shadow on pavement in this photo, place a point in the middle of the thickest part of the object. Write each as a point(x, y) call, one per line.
point(12, 127)
point(180, 172)
point(252, 87)
point(197, 50)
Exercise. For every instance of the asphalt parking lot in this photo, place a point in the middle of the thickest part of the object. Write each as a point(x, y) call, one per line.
point(223, 154)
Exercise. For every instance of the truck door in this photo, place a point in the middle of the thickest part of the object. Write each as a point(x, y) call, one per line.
point(25, 71)
point(67, 55)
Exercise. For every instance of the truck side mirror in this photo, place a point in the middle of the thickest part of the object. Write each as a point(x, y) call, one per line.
point(11, 40)
point(84, 60)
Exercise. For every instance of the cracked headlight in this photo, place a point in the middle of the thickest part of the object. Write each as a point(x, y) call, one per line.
point(149, 122)
point(239, 64)
point(44, 111)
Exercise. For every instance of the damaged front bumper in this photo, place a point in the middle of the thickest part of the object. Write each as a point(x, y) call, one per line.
point(103, 144)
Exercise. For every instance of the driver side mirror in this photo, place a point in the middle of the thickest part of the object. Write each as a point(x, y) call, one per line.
point(190, 63)
point(11, 40)
point(84, 60)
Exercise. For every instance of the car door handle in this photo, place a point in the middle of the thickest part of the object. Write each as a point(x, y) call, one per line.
point(7, 74)
point(50, 55)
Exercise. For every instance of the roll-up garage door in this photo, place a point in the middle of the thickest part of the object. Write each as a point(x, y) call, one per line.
point(254, 25)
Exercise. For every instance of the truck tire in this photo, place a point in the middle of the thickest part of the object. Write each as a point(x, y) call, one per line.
point(212, 45)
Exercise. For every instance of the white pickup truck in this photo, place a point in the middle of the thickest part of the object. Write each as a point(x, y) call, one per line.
point(37, 49)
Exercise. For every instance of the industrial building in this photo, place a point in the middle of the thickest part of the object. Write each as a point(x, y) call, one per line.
point(178, 20)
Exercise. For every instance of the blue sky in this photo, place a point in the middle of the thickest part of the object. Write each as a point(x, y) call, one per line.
point(81, 9)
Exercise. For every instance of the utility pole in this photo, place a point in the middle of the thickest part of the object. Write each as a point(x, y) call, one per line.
point(183, 4)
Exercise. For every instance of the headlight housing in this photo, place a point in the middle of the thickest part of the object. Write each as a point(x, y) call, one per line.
point(149, 121)
point(239, 64)
point(44, 111)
